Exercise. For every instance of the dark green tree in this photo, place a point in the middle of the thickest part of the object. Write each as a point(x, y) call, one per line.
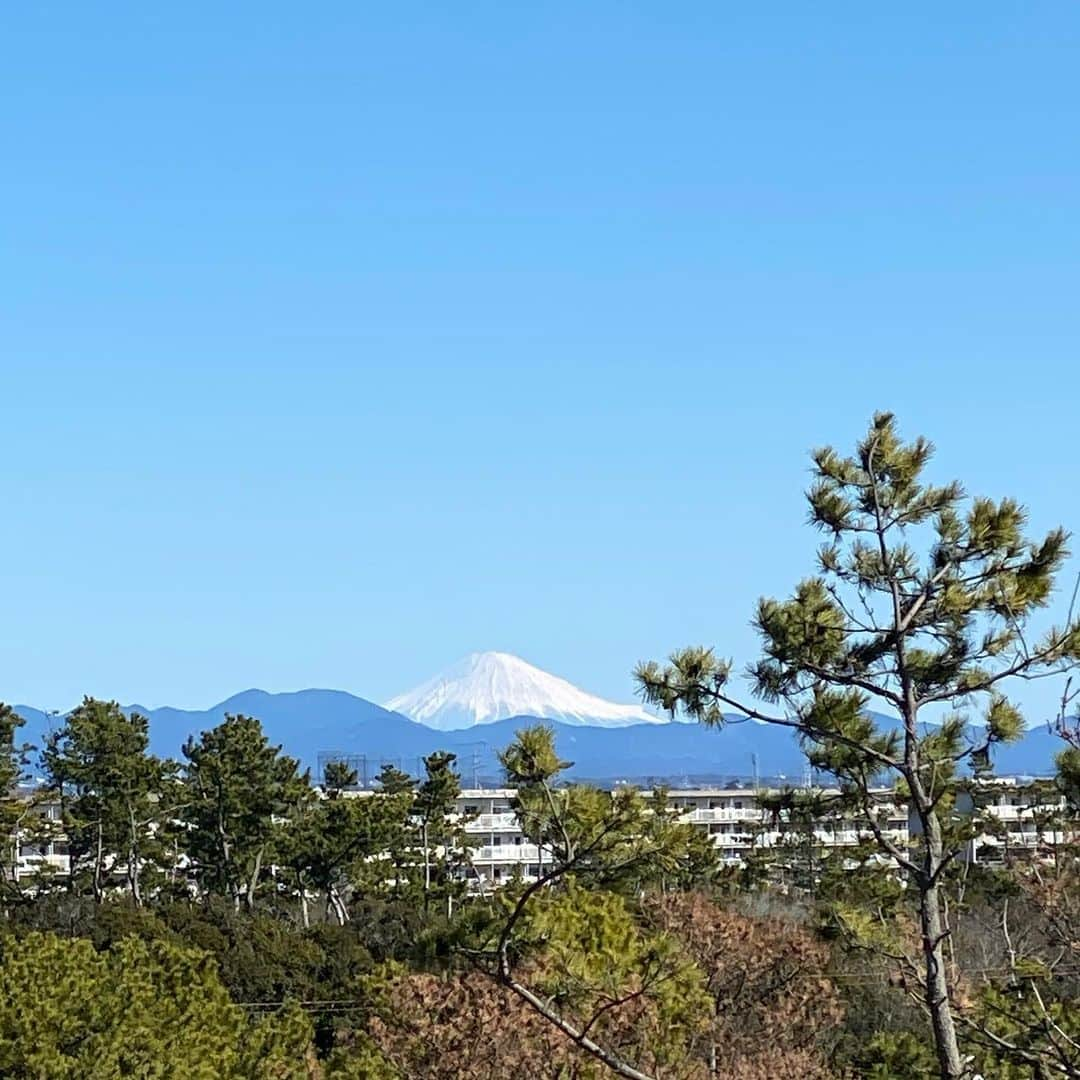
point(239, 791)
point(939, 635)
point(392, 781)
point(148, 1009)
point(444, 845)
point(114, 795)
point(342, 846)
point(13, 808)
point(338, 777)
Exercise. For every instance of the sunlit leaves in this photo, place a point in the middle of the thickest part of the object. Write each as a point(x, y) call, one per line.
point(151, 1010)
point(692, 682)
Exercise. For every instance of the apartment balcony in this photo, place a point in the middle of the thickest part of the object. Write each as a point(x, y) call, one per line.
point(507, 853)
point(849, 837)
point(1035, 838)
point(1020, 813)
point(493, 823)
point(742, 841)
point(706, 816)
point(29, 865)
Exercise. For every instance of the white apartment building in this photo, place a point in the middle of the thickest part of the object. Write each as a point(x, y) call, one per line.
point(732, 817)
point(40, 848)
point(1022, 818)
point(500, 850)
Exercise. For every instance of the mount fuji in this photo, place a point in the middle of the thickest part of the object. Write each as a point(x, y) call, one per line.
point(487, 687)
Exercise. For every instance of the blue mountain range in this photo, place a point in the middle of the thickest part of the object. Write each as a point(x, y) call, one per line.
point(313, 725)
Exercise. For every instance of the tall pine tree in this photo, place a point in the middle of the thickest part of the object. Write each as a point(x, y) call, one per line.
point(239, 790)
point(113, 795)
point(921, 604)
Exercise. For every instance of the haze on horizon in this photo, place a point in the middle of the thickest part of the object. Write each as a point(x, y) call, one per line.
point(338, 345)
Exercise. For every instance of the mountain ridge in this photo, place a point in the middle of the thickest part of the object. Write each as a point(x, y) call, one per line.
point(314, 722)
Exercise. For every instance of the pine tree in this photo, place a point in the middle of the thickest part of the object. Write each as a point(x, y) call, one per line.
point(238, 789)
point(398, 788)
point(392, 781)
point(147, 1009)
point(13, 759)
point(113, 794)
point(444, 844)
point(338, 776)
point(612, 844)
point(940, 636)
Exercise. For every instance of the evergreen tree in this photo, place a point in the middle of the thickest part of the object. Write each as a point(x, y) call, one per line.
point(152, 1010)
point(113, 795)
point(444, 845)
point(399, 787)
point(392, 781)
point(338, 777)
point(938, 637)
point(238, 791)
point(342, 845)
point(13, 808)
point(607, 843)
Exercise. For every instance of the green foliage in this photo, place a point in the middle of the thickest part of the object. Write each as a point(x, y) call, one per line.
point(622, 838)
point(13, 754)
point(13, 809)
point(591, 947)
point(114, 795)
point(958, 616)
point(921, 599)
point(444, 844)
point(152, 1010)
point(237, 788)
point(1029, 1022)
point(530, 760)
point(392, 781)
point(896, 1055)
point(1068, 776)
point(343, 846)
point(338, 777)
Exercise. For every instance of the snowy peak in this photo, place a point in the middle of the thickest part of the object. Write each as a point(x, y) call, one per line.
point(490, 686)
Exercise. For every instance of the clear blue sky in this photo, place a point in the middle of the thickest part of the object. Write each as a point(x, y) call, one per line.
point(340, 340)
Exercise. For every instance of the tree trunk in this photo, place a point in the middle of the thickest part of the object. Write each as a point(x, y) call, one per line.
point(11, 858)
point(133, 860)
point(99, 857)
point(133, 878)
point(303, 903)
point(253, 881)
point(340, 911)
point(427, 865)
point(934, 933)
point(581, 1038)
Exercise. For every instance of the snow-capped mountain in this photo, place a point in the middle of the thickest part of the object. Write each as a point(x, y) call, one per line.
point(490, 686)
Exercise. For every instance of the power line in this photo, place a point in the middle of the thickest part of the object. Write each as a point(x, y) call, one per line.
point(349, 1005)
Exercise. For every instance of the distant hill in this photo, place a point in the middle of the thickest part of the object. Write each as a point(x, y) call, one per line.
point(310, 722)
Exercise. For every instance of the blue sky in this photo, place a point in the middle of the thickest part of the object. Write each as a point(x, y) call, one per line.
point(341, 340)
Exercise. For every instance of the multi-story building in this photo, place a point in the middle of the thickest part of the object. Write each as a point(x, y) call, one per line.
point(40, 848)
point(735, 819)
point(500, 849)
point(738, 820)
point(1029, 819)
